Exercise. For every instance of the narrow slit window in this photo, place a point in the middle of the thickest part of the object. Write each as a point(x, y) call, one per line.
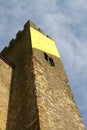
point(51, 61)
point(46, 56)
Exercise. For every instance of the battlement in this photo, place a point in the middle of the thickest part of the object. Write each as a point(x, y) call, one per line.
point(33, 31)
point(35, 94)
point(20, 33)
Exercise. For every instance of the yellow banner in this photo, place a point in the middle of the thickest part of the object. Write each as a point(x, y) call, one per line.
point(42, 42)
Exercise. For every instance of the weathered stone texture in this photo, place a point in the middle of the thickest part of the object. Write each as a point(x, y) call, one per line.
point(5, 81)
point(23, 110)
point(40, 97)
point(57, 110)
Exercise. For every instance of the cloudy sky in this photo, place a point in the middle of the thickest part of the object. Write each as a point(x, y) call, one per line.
point(66, 22)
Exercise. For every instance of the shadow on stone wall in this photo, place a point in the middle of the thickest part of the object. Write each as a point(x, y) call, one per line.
point(22, 109)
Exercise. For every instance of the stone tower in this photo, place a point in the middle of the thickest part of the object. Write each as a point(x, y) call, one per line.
point(34, 90)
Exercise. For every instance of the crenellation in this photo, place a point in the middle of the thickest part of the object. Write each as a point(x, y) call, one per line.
point(34, 94)
point(40, 30)
point(31, 24)
point(49, 37)
point(11, 44)
point(4, 50)
point(18, 35)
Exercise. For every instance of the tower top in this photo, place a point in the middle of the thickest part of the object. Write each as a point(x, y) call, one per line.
point(34, 85)
point(38, 39)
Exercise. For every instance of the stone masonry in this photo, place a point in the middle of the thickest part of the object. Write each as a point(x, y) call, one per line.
point(5, 81)
point(34, 89)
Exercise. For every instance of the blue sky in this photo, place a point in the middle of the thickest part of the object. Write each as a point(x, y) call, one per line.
point(66, 22)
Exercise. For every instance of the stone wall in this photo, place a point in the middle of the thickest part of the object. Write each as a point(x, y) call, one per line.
point(57, 110)
point(5, 82)
point(23, 110)
point(40, 97)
